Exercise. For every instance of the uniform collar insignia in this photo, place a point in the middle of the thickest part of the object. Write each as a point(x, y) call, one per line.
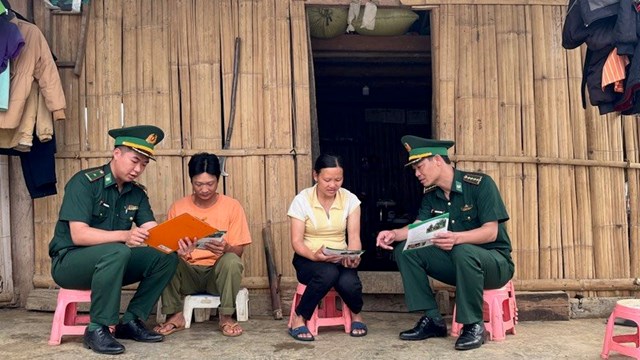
point(458, 186)
point(108, 180)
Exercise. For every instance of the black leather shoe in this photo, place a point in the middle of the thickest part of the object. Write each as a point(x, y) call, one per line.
point(472, 337)
point(102, 342)
point(425, 328)
point(135, 330)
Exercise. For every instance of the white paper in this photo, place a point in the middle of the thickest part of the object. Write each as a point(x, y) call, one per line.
point(342, 252)
point(215, 237)
point(421, 233)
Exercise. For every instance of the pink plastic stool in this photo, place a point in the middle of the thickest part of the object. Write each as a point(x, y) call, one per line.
point(628, 309)
point(66, 320)
point(326, 314)
point(499, 312)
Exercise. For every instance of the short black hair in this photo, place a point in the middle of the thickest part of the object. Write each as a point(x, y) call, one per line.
point(204, 163)
point(327, 161)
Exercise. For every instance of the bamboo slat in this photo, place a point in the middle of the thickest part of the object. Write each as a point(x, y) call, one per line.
point(301, 106)
point(632, 147)
point(465, 16)
point(510, 130)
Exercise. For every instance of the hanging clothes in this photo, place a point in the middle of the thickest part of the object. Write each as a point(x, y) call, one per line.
point(34, 62)
point(38, 167)
point(11, 42)
point(605, 25)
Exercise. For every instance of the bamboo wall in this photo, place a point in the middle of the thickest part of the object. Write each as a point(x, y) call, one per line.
point(170, 63)
point(509, 95)
point(504, 90)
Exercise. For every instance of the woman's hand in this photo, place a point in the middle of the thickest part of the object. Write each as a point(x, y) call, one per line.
point(186, 247)
point(351, 261)
point(321, 257)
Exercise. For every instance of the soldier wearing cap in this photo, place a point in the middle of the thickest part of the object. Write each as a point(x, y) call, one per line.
point(474, 254)
point(94, 246)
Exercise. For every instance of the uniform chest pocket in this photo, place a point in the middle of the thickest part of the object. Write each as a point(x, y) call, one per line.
point(100, 213)
point(125, 217)
point(469, 214)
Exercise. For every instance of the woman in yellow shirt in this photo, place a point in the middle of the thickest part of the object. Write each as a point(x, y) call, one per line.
point(320, 217)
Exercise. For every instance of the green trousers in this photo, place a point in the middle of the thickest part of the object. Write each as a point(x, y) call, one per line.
point(105, 268)
point(223, 278)
point(470, 268)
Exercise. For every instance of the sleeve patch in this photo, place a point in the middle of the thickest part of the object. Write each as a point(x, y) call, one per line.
point(94, 174)
point(472, 179)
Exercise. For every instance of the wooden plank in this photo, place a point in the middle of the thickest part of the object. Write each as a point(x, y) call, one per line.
point(423, 3)
point(541, 306)
point(22, 229)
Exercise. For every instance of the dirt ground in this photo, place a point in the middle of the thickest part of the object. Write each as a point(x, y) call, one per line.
point(24, 335)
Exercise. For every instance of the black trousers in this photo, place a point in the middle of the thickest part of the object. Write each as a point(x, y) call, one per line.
point(320, 277)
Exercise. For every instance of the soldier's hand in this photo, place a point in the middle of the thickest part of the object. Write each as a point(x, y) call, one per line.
point(137, 237)
point(445, 240)
point(385, 239)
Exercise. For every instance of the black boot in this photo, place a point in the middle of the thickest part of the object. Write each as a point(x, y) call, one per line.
point(472, 337)
point(425, 328)
point(136, 330)
point(101, 341)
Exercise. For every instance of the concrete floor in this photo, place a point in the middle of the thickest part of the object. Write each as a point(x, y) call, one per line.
point(24, 335)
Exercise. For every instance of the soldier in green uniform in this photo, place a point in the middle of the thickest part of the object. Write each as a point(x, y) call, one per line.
point(474, 254)
point(95, 248)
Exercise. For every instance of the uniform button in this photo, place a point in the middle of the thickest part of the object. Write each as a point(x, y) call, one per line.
point(468, 217)
point(453, 221)
point(448, 204)
point(131, 218)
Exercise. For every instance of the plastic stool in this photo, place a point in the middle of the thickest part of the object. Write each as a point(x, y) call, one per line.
point(66, 320)
point(206, 302)
point(499, 312)
point(628, 309)
point(325, 314)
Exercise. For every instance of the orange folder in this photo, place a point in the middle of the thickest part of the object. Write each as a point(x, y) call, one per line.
point(165, 236)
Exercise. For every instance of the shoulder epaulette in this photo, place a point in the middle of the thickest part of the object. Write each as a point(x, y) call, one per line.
point(472, 178)
point(429, 189)
point(144, 188)
point(94, 174)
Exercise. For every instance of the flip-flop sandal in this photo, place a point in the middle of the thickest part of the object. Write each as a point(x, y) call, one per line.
point(357, 325)
point(295, 333)
point(228, 329)
point(174, 328)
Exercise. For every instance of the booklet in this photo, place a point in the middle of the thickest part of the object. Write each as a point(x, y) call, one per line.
point(420, 233)
point(342, 252)
point(165, 236)
point(215, 237)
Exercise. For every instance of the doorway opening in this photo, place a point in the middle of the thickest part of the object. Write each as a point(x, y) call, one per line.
point(370, 91)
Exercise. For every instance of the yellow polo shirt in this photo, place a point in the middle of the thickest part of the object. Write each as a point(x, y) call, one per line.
point(320, 229)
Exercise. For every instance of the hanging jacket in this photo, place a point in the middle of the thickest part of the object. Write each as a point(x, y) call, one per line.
point(602, 30)
point(35, 62)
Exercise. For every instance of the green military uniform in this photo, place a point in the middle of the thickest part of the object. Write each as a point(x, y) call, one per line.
point(92, 197)
point(473, 200)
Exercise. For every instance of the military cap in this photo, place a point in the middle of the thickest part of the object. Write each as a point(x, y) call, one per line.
point(140, 138)
point(420, 148)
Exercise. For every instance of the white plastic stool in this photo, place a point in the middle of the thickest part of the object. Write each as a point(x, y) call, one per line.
point(202, 304)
